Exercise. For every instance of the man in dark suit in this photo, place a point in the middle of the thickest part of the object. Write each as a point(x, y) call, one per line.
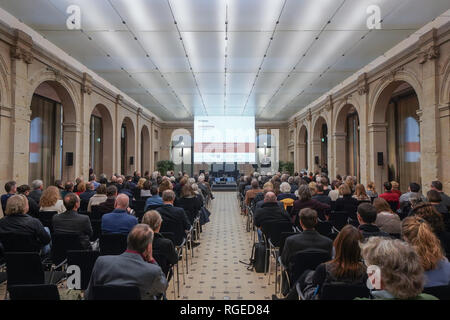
point(171, 213)
point(70, 222)
point(134, 267)
point(307, 240)
point(108, 205)
point(270, 212)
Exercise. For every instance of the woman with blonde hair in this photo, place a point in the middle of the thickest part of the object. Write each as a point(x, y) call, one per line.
point(396, 188)
point(81, 187)
point(387, 220)
point(417, 232)
point(360, 193)
point(51, 200)
point(349, 182)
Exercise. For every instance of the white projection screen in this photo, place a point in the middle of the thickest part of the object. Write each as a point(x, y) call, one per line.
point(224, 139)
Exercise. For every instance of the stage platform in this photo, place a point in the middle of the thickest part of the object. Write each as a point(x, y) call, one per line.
point(228, 186)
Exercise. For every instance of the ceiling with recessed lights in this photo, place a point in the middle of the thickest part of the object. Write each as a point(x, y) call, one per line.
point(268, 58)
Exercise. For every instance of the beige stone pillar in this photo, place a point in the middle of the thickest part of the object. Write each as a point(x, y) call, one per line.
point(118, 131)
point(85, 118)
point(338, 142)
point(377, 139)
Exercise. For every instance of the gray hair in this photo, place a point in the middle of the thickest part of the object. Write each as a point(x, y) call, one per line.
point(304, 193)
point(285, 187)
point(139, 238)
point(191, 180)
point(152, 218)
point(36, 184)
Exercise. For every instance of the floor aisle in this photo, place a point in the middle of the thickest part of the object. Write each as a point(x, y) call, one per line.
point(216, 272)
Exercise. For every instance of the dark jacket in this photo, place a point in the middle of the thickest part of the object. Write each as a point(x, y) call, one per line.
point(36, 195)
point(322, 198)
point(70, 222)
point(107, 206)
point(270, 212)
point(85, 196)
point(33, 207)
point(166, 248)
point(191, 206)
point(171, 213)
point(371, 230)
point(307, 240)
point(321, 208)
point(25, 224)
point(347, 204)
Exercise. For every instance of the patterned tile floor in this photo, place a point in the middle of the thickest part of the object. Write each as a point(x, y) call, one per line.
point(215, 271)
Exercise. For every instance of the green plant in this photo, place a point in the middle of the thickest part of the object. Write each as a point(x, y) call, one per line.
point(286, 167)
point(165, 165)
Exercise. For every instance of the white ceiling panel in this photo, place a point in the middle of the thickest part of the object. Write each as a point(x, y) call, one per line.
point(253, 15)
point(196, 15)
point(236, 100)
point(268, 82)
point(152, 81)
point(206, 50)
point(182, 82)
point(244, 48)
point(211, 83)
point(240, 82)
point(192, 100)
point(213, 101)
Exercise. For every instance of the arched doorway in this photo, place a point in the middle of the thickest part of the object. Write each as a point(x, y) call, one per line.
point(127, 148)
point(267, 151)
point(347, 142)
point(399, 141)
point(52, 142)
point(320, 144)
point(145, 149)
point(303, 148)
point(181, 148)
point(100, 141)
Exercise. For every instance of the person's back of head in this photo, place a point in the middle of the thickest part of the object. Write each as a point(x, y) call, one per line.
point(68, 186)
point(308, 218)
point(10, 187)
point(168, 196)
point(147, 185)
point(92, 177)
point(255, 184)
point(344, 190)
point(23, 189)
point(434, 196)
point(122, 201)
point(154, 190)
point(153, 219)
point(140, 238)
point(414, 187)
point(319, 188)
point(429, 213)
point(437, 185)
point(285, 187)
point(111, 191)
point(387, 186)
point(304, 192)
point(381, 205)
point(347, 261)
point(70, 201)
point(37, 184)
point(270, 197)
point(17, 204)
point(101, 189)
point(367, 213)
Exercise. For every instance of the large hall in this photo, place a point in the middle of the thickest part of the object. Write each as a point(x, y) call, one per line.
point(260, 150)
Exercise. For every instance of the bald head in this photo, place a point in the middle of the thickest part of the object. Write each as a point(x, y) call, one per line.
point(122, 201)
point(270, 197)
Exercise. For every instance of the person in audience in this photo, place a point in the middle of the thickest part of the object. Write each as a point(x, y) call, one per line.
point(325, 183)
point(177, 189)
point(312, 188)
point(360, 193)
point(402, 275)
point(139, 187)
point(334, 192)
point(387, 220)
point(68, 188)
point(269, 213)
point(93, 180)
point(98, 197)
point(309, 239)
point(161, 245)
point(251, 193)
point(145, 191)
point(346, 203)
point(155, 199)
point(81, 188)
point(70, 222)
point(87, 195)
point(345, 268)
point(437, 185)
point(164, 185)
point(367, 215)
point(305, 201)
point(428, 212)
point(16, 220)
point(36, 193)
point(59, 184)
point(51, 200)
point(391, 197)
point(134, 267)
point(109, 204)
point(32, 205)
point(371, 190)
point(189, 202)
point(321, 196)
point(286, 196)
point(417, 232)
point(11, 189)
point(119, 220)
point(198, 193)
point(396, 188)
point(434, 197)
point(413, 193)
point(119, 183)
point(127, 189)
point(170, 213)
point(350, 183)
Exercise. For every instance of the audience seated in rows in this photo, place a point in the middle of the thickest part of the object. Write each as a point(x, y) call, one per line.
point(134, 267)
point(270, 212)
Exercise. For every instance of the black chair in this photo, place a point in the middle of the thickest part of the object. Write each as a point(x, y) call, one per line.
point(34, 292)
point(283, 237)
point(61, 243)
point(138, 206)
point(96, 225)
point(324, 228)
point(353, 222)
point(113, 243)
point(176, 229)
point(343, 292)
point(116, 293)
point(338, 219)
point(85, 259)
point(95, 213)
point(153, 207)
point(305, 260)
point(17, 242)
point(440, 292)
point(27, 268)
point(83, 205)
point(393, 205)
point(46, 217)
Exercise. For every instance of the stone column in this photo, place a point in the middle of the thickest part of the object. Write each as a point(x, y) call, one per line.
point(363, 115)
point(339, 167)
point(85, 118)
point(377, 139)
point(118, 128)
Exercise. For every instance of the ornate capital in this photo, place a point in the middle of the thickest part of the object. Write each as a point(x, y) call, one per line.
point(22, 46)
point(429, 50)
point(363, 86)
point(119, 99)
point(309, 115)
point(86, 85)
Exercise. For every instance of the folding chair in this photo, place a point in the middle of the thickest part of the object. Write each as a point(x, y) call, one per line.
point(338, 291)
point(34, 292)
point(138, 206)
point(179, 250)
point(113, 243)
point(338, 219)
point(17, 242)
point(85, 259)
point(96, 225)
point(116, 293)
point(46, 217)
